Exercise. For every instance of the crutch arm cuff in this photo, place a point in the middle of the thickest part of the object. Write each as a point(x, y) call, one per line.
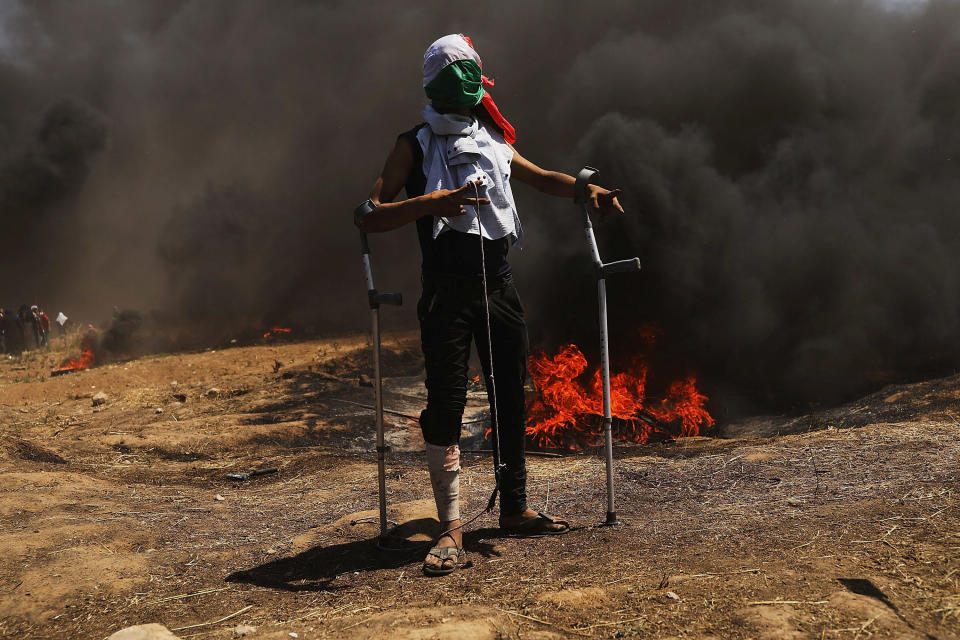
point(359, 214)
point(362, 211)
point(584, 177)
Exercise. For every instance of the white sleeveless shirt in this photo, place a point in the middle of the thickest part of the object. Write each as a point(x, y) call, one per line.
point(459, 149)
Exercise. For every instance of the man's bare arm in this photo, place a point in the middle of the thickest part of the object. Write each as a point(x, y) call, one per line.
point(391, 215)
point(561, 185)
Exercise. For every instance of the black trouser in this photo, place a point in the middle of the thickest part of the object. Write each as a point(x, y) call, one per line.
point(452, 315)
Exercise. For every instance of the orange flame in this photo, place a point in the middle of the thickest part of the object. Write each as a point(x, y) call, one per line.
point(86, 360)
point(568, 414)
point(277, 330)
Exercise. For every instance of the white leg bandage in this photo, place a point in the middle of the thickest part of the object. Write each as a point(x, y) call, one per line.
point(444, 465)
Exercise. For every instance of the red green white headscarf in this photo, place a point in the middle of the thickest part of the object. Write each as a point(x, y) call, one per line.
point(452, 78)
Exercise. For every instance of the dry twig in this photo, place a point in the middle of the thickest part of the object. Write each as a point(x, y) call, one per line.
point(188, 595)
point(223, 619)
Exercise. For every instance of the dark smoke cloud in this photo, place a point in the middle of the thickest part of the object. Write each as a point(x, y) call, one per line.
point(794, 170)
point(46, 169)
point(789, 169)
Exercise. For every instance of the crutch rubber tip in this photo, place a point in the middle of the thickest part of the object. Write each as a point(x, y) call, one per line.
point(611, 519)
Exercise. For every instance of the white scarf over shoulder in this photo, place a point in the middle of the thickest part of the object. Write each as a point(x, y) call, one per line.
point(459, 149)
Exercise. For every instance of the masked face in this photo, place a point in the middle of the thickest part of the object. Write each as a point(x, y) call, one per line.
point(457, 86)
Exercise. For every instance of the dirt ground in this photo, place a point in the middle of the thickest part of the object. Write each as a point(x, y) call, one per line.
point(842, 524)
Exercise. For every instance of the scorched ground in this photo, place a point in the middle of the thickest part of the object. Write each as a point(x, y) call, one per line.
point(121, 513)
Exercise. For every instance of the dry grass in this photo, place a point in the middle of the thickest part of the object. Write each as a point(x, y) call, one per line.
point(835, 533)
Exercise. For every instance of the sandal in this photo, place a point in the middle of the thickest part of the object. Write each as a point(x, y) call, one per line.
point(536, 527)
point(455, 554)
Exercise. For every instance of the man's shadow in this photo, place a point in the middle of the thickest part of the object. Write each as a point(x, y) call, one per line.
point(318, 568)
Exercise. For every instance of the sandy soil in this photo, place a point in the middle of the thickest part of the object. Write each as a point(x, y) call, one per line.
point(842, 524)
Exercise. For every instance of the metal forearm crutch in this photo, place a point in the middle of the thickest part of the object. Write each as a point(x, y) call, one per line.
point(581, 197)
point(375, 299)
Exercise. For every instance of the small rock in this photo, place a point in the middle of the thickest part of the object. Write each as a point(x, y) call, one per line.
point(219, 498)
point(243, 630)
point(293, 635)
point(270, 552)
point(174, 383)
point(365, 380)
point(99, 399)
point(794, 501)
point(213, 392)
point(672, 595)
point(159, 410)
point(151, 631)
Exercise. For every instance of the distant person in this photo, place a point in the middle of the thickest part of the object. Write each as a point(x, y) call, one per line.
point(24, 320)
point(43, 322)
point(13, 332)
point(35, 324)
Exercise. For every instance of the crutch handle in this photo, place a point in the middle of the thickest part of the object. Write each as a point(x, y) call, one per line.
point(621, 266)
point(585, 177)
point(377, 298)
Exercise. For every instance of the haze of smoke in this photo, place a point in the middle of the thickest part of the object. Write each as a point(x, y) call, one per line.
point(788, 169)
point(797, 189)
point(43, 171)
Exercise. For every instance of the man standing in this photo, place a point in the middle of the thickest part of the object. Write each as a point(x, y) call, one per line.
point(34, 319)
point(24, 321)
point(456, 169)
point(43, 323)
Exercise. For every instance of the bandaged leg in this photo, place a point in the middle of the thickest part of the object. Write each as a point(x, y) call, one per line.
point(444, 465)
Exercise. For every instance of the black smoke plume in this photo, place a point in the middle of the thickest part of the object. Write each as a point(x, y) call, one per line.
point(789, 169)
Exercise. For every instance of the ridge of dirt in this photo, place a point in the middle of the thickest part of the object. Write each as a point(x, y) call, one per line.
point(840, 524)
